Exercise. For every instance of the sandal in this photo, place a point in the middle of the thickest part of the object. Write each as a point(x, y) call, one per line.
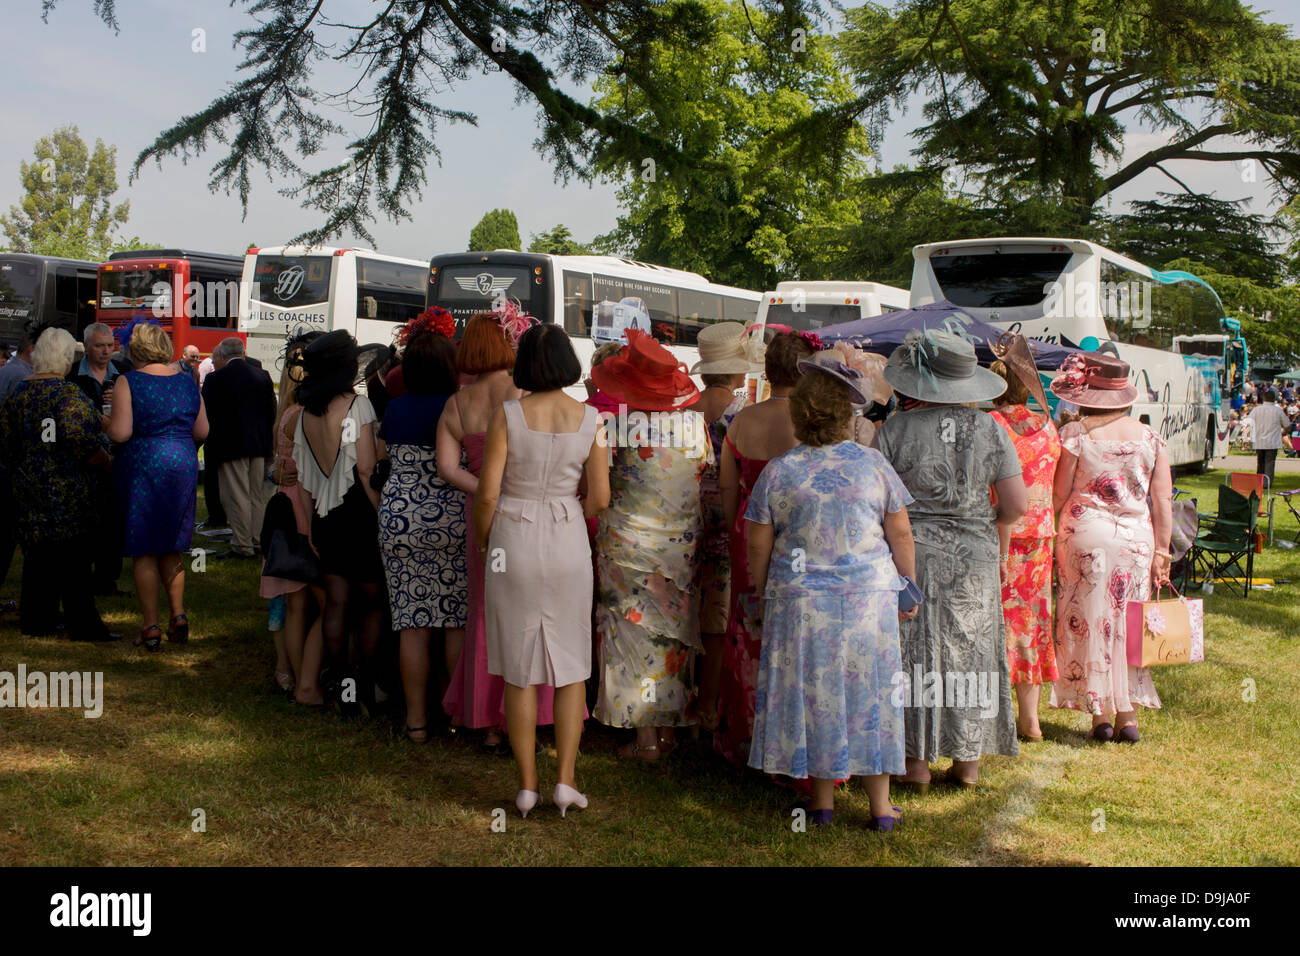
point(411, 731)
point(633, 751)
point(178, 632)
point(284, 680)
point(150, 643)
point(666, 746)
point(499, 749)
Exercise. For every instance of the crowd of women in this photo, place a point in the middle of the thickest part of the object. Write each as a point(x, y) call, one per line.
point(828, 597)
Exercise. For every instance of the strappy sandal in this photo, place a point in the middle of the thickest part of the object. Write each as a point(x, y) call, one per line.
point(409, 731)
point(666, 746)
point(179, 632)
point(633, 751)
point(150, 643)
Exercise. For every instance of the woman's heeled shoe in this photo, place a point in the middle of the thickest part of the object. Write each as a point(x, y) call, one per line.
point(178, 632)
point(920, 787)
point(1128, 734)
point(1102, 733)
point(525, 800)
point(150, 637)
point(566, 796)
point(885, 824)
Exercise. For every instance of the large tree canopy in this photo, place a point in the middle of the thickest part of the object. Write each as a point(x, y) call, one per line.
point(1032, 97)
point(763, 203)
point(408, 56)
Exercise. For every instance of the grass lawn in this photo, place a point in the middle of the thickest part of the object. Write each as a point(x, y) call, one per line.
point(1214, 780)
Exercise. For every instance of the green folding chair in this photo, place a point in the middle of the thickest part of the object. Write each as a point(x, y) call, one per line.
point(1224, 547)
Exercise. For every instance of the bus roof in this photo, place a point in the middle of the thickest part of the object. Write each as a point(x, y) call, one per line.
point(589, 263)
point(33, 257)
point(223, 257)
point(299, 250)
point(1081, 246)
point(829, 287)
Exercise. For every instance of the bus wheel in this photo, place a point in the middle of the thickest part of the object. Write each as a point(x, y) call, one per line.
point(1204, 465)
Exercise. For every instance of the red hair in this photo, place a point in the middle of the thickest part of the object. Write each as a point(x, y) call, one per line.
point(483, 347)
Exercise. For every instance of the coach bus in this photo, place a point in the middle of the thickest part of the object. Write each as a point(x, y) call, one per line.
point(325, 288)
point(596, 298)
point(194, 295)
point(1081, 294)
point(808, 306)
point(47, 289)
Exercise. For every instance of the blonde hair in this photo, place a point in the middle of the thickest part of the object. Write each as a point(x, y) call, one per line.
point(54, 352)
point(1017, 392)
point(149, 344)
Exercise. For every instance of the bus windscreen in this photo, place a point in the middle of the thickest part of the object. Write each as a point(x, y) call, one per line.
point(813, 315)
point(998, 280)
point(291, 281)
point(134, 288)
point(464, 290)
point(19, 286)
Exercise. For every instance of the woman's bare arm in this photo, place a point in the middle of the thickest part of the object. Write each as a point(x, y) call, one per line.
point(596, 476)
point(448, 454)
point(120, 422)
point(489, 484)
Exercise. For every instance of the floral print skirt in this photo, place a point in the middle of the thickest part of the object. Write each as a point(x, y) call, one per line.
point(1027, 611)
point(648, 641)
point(826, 703)
point(1102, 564)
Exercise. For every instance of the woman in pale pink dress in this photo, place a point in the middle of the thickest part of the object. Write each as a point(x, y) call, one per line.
point(1112, 543)
point(475, 698)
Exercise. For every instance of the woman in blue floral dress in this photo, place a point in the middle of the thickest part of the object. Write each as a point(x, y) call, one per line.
point(828, 540)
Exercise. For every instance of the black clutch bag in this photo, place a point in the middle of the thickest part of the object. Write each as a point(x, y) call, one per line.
point(287, 552)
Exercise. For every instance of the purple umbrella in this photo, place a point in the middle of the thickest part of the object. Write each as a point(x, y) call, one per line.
point(884, 333)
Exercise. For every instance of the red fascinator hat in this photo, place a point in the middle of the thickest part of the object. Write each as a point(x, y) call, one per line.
point(645, 376)
point(433, 319)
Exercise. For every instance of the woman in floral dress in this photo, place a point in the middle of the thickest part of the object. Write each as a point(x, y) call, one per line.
point(828, 541)
point(757, 434)
point(949, 457)
point(1026, 551)
point(647, 546)
point(1112, 544)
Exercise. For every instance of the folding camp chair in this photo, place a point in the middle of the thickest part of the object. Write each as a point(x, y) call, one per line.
point(1289, 499)
point(1245, 483)
point(1225, 540)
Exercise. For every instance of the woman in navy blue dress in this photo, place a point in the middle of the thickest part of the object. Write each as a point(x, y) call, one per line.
point(159, 415)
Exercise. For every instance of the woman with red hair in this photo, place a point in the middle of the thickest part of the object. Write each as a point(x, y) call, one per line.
point(475, 698)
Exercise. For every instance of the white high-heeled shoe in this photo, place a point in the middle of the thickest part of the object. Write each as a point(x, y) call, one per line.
point(566, 796)
point(525, 800)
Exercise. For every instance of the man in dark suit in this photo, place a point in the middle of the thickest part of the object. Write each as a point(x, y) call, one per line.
point(240, 402)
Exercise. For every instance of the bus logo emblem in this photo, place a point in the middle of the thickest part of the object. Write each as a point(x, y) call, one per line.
point(289, 282)
point(485, 283)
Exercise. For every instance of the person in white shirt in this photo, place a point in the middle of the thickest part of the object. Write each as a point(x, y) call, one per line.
point(1270, 423)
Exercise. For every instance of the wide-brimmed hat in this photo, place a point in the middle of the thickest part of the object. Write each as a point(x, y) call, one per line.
point(722, 350)
point(645, 375)
point(935, 366)
point(831, 362)
point(1093, 380)
point(1013, 349)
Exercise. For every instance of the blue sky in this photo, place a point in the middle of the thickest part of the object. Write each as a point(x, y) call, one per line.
point(125, 88)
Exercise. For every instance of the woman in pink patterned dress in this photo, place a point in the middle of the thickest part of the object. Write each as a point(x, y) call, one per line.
point(1026, 551)
point(1112, 544)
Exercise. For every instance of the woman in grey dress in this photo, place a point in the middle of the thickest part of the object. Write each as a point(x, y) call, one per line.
point(955, 686)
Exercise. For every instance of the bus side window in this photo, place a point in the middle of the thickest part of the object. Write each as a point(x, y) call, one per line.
point(695, 310)
point(577, 303)
point(87, 289)
point(215, 300)
point(65, 297)
point(739, 310)
point(396, 290)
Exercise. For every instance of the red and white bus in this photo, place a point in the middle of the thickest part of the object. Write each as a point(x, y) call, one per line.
point(195, 295)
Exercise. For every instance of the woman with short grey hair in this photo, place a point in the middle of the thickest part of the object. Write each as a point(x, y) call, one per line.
point(52, 441)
